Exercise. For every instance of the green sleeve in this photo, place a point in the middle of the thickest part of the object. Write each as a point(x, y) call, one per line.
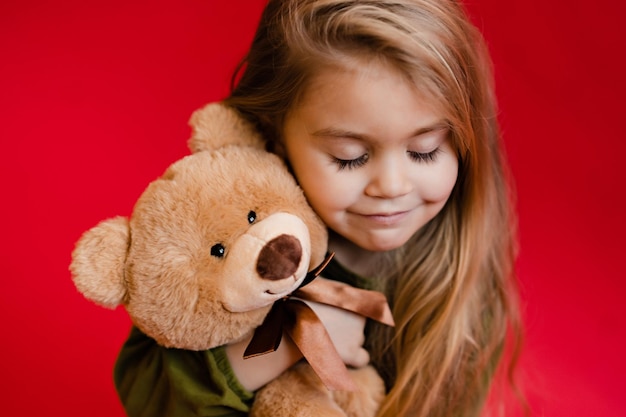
point(153, 381)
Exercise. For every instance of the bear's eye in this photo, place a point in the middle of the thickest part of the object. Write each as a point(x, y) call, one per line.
point(218, 250)
point(251, 217)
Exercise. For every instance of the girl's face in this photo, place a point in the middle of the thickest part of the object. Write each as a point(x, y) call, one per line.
point(371, 155)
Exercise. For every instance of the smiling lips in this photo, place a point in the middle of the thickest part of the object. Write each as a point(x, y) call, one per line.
point(386, 219)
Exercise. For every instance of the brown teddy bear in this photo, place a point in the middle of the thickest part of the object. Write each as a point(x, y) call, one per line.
point(210, 247)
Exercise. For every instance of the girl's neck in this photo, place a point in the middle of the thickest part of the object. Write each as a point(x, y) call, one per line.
point(354, 258)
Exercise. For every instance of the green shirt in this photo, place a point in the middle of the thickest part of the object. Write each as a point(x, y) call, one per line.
point(154, 381)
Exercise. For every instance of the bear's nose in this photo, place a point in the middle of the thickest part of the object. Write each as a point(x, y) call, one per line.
point(279, 258)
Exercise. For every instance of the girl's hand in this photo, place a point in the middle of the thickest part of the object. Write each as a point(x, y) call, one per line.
point(255, 372)
point(346, 330)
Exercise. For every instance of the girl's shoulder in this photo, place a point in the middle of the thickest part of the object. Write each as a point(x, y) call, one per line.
point(154, 380)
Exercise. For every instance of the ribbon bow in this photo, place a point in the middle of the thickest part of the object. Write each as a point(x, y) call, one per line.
point(293, 316)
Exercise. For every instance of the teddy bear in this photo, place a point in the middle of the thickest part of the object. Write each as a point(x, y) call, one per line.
point(211, 248)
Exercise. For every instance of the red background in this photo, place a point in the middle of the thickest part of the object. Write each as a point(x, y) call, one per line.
point(94, 102)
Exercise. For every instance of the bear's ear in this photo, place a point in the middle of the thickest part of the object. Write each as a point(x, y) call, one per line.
point(217, 125)
point(98, 262)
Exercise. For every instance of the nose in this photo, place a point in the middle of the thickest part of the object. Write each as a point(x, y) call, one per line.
point(389, 179)
point(279, 258)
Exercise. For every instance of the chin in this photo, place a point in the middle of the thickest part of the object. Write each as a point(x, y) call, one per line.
point(384, 245)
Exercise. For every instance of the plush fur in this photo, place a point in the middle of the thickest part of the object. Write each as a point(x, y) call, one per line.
point(209, 247)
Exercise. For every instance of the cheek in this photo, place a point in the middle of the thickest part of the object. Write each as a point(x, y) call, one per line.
point(322, 192)
point(438, 186)
point(317, 177)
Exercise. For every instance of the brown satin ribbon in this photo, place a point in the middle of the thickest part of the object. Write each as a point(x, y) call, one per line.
point(293, 316)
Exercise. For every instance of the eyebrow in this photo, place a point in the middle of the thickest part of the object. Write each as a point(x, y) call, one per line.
point(340, 133)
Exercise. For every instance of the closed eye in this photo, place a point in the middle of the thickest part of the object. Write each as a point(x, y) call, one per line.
point(351, 163)
point(424, 156)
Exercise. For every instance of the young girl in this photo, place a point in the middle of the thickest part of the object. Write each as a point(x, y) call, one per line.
point(385, 112)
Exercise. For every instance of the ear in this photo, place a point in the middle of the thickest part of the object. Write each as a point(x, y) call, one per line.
point(98, 262)
point(217, 125)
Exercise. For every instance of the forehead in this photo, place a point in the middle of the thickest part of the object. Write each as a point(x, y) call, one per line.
point(365, 96)
point(363, 67)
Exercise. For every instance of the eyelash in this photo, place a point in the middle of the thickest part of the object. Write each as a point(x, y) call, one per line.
point(351, 163)
point(424, 157)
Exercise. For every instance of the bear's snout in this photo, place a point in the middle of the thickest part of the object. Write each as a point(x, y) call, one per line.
point(279, 258)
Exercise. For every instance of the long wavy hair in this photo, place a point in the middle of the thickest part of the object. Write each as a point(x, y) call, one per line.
point(452, 286)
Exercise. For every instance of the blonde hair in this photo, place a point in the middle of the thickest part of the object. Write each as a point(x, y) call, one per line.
point(452, 287)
